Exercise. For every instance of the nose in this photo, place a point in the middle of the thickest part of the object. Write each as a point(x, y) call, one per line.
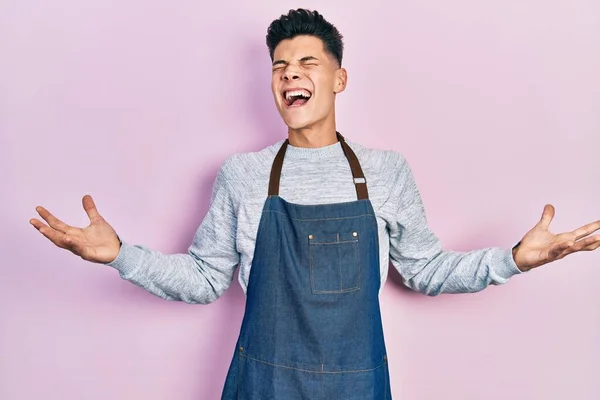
point(291, 74)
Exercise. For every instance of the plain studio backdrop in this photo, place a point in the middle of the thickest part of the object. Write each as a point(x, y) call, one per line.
point(496, 106)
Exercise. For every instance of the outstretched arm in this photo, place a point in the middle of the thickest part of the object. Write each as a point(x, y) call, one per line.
point(418, 255)
point(200, 276)
point(426, 267)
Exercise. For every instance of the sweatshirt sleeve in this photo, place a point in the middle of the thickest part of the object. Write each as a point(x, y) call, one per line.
point(201, 275)
point(418, 255)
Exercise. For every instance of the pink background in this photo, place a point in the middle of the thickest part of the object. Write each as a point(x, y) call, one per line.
point(496, 105)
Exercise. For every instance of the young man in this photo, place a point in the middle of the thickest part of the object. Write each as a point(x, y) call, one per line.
point(313, 222)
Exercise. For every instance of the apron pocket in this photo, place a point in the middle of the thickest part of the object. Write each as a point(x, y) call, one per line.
point(334, 263)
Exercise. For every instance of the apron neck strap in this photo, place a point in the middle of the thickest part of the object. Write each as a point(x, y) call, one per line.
point(359, 178)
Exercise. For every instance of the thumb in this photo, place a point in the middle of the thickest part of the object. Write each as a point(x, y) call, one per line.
point(90, 208)
point(547, 216)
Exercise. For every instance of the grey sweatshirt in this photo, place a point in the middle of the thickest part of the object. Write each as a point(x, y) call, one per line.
point(226, 236)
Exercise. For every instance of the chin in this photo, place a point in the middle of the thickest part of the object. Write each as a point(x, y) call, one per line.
point(297, 123)
point(300, 118)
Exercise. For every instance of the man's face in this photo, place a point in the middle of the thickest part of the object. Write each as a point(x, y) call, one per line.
point(304, 82)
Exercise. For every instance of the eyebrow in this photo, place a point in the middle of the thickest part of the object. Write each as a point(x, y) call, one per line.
point(303, 59)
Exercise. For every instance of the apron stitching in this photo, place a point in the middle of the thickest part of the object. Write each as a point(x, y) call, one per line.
point(321, 371)
point(319, 219)
point(312, 272)
point(322, 376)
point(340, 264)
point(336, 291)
point(321, 385)
point(357, 256)
point(239, 391)
point(340, 242)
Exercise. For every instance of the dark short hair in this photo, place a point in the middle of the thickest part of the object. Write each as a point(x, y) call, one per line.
point(305, 22)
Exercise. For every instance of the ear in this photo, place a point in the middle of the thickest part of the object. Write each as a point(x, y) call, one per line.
point(341, 79)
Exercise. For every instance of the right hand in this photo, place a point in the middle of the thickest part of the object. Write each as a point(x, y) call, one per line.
point(97, 243)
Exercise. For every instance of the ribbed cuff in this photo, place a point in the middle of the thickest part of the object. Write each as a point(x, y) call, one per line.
point(506, 268)
point(128, 259)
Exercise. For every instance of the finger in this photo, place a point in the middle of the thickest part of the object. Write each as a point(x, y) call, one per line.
point(569, 247)
point(586, 230)
point(587, 244)
point(90, 208)
point(592, 246)
point(37, 224)
point(547, 216)
point(54, 222)
point(56, 237)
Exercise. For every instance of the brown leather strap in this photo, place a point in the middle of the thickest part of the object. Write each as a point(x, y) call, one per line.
point(276, 170)
point(357, 174)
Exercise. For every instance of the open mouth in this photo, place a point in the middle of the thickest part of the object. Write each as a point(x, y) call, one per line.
point(296, 97)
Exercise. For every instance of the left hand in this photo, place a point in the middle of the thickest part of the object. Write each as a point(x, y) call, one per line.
point(540, 246)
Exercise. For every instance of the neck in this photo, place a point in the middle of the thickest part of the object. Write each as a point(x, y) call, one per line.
point(318, 135)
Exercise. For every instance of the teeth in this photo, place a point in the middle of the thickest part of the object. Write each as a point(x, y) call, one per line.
point(291, 93)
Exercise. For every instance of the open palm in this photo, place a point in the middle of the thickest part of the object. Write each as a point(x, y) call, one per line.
point(540, 246)
point(98, 242)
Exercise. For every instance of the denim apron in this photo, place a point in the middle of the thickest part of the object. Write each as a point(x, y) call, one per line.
point(312, 325)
